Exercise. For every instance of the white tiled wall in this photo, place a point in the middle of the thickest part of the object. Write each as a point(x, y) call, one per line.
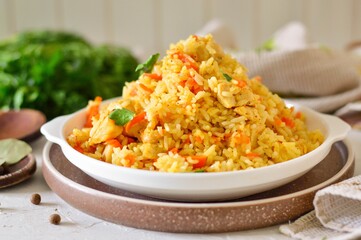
point(151, 25)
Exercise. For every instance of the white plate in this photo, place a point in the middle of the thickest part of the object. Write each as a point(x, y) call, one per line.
point(198, 186)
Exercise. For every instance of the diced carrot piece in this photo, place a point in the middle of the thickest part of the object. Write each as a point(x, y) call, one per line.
point(174, 150)
point(183, 83)
point(242, 139)
point(298, 115)
point(130, 158)
point(227, 135)
point(278, 121)
point(195, 37)
point(188, 61)
point(114, 143)
point(289, 122)
point(92, 111)
point(133, 92)
point(252, 155)
point(153, 76)
point(202, 160)
point(137, 119)
point(191, 82)
point(79, 148)
point(241, 83)
point(197, 89)
point(145, 88)
point(198, 139)
point(192, 85)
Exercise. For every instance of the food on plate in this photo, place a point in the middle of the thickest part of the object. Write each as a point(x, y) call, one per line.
point(195, 110)
point(58, 72)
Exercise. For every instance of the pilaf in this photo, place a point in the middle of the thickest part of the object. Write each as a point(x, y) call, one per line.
point(195, 110)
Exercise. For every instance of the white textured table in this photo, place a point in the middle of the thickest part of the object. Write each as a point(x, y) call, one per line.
point(20, 219)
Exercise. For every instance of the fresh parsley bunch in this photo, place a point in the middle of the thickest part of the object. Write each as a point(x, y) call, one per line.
point(58, 72)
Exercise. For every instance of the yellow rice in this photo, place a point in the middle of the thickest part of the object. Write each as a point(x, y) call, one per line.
point(194, 110)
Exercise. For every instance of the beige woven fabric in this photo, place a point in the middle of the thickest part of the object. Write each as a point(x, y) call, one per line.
point(308, 72)
point(337, 214)
point(322, 79)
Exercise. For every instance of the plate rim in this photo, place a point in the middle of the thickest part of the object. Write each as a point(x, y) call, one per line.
point(350, 160)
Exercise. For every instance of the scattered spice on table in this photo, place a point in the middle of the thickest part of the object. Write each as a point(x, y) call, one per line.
point(55, 219)
point(35, 199)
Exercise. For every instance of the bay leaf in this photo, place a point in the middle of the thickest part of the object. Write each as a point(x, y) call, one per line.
point(13, 150)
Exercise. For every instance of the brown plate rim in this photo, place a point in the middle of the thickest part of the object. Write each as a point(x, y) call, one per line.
point(350, 160)
point(211, 217)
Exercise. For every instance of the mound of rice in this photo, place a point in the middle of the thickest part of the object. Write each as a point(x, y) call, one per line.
point(197, 111)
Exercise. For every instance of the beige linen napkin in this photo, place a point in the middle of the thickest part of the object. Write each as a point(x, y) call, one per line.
point(310, 72)
point(337, 214)
point(321, 79)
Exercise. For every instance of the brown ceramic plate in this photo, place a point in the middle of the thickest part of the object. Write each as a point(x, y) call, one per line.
point(265, 209)
point(18, 172)
point(23, 124)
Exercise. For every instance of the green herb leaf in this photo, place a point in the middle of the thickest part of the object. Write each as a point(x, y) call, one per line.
point(13, 150)
point(148, 65)
point(227, 77)
point(267, 46)
point(199, 171)
point(121, 116)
